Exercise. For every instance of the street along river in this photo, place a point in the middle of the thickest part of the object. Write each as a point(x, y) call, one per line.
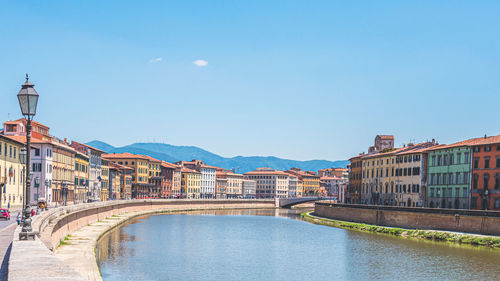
point(277, 245)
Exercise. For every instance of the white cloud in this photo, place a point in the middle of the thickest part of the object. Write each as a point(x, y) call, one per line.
point(200, 62)
point(156, 60)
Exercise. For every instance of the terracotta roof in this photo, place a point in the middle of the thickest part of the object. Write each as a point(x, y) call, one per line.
point(472, 142)
point(124, 155)
point(24, 121)
point(169, 165)
point(386, 137)
point(280, 173)
point(22, 139)
point(187, 170)
point(151, 158)
point(91, 147)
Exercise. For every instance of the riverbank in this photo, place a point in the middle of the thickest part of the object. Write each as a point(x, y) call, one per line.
point(433, 235)
point(78, 249)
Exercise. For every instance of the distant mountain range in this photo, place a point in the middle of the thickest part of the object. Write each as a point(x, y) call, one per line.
point(242, 164)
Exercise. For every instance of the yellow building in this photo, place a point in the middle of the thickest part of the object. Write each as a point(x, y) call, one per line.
point(104, 180)
point(379, 178)
point(300, 188)
point(12, 175)
point(141, 188)
point(234, 185)
point(63, 176)
point(310, 182)
point(81, 177)
point(190, 183)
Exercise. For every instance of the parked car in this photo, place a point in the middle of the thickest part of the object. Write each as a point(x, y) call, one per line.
point(4, 214)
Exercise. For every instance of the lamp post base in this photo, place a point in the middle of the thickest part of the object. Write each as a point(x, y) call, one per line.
point(27, 231)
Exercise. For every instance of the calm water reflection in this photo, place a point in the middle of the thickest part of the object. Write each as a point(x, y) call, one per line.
point(268, 245)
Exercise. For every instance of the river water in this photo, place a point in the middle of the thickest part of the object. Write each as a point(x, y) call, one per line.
point(277, 245)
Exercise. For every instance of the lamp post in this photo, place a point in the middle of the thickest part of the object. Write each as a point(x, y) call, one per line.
point(28, 100)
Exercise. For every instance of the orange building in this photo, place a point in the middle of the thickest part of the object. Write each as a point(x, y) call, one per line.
point(310, 182)
point(485, 189)
point(354, 187)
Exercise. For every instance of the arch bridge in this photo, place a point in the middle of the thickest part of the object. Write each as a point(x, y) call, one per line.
point(289, 202)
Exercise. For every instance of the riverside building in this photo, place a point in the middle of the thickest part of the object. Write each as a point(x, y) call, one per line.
point(310, 182)
point(449, 176)
point(41, 155)
point(12, 173)
point(485, 191)
point(95, 167)
point(207, 172)
point(141, 188)
point(270, 183)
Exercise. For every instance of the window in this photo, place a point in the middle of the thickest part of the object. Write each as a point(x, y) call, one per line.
point(466, 157)
point(432, 192)
point(451, 159)
point(37, 152)
point(476, 149)
point(486, 162)
point(439, 160)
point(497, 181)
point(464, 192)
point(498, 147)
point(457, 192)
point(459, 158)
point(497, 203)
point(487, 148)
point(498, 162)
point(433, 159)
point(476, 163)
point(486, 181)
point(475, 178)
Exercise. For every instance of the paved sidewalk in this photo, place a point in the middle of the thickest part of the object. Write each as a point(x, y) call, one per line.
point(6, 235)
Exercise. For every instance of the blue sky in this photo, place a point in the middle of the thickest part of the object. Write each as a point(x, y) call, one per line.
point(293, 79)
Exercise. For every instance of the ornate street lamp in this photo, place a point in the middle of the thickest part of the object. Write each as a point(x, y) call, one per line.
point(28, 100)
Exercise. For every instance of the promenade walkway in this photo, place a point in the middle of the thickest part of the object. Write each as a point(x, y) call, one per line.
point(5, 245)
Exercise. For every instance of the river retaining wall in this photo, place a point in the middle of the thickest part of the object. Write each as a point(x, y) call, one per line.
point(468, 221)
point(34, 260)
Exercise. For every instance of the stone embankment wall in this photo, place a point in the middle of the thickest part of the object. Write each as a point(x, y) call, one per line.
point(468, 221)
point(54, 225)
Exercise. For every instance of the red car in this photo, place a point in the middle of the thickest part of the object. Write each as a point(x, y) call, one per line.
point(4, 214)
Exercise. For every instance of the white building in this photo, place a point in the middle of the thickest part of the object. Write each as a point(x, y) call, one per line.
point(293, 183)
point(41, 156)
point(207, 188)
point(95, 167)
point(249, 189)
point(270, 183)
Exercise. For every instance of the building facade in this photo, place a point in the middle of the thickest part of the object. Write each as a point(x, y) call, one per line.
point(63, 176)
point(249, 188)
point(270, 183)
point(12, 173)
point(354, 186)
point(95, 168)
point(448, 176)
point(81, 177)
point(190, 183)
point(485, 190)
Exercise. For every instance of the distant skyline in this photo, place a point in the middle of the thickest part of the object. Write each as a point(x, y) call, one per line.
point(298, 80)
